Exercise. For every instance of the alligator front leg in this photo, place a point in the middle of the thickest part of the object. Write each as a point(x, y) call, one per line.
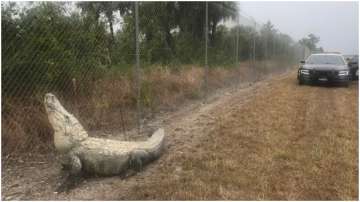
point(75, 165)
point(74, 176)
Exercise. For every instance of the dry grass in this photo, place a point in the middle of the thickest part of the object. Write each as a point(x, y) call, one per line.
point(23, 128)
point(273, 140)
point(289, 143)
point(110, 105)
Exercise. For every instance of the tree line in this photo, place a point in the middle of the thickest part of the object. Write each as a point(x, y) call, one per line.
point(47, 44)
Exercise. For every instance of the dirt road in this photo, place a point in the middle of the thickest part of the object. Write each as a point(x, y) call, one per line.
point(271, 140)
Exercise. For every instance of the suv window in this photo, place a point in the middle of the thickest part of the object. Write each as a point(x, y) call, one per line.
point(325, 59)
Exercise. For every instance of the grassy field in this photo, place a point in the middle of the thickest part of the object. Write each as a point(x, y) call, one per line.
point(273, 140)
point(289, 142)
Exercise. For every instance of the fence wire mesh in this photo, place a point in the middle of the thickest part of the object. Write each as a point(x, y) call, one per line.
point(116, 65)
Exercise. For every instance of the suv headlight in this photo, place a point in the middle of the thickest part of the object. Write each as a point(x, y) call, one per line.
point(305, 71)
point(343, 73)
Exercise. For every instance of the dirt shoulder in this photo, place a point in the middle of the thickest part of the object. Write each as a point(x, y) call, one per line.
point(271, 140)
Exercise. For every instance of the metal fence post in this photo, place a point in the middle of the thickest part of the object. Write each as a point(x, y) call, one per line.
point(206, 53)
point(137, 68)
point(254, 52)
point(266, 52)
point(237, 42)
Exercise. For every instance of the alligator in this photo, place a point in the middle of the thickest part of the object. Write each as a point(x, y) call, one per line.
point(99, 156)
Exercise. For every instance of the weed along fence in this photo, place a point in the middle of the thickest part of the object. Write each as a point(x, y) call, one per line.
point(115, 65)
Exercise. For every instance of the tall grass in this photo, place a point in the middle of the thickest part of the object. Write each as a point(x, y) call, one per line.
point(110, 102)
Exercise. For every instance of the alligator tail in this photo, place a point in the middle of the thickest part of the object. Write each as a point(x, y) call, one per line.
point(148, 150)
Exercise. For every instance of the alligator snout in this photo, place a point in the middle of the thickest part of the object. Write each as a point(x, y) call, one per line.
point(50, 101)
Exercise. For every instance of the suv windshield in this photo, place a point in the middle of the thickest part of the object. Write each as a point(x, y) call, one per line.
point(325, 59)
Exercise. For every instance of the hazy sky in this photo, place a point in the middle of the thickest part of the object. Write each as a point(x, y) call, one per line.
point(336, 23)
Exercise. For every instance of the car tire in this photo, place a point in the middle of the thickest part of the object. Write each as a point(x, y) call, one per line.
point(354, 77)
point(301, 82)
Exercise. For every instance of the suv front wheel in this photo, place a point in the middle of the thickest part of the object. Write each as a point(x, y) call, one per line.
point(300, 81)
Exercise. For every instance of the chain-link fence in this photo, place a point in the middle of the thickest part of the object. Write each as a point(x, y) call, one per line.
point(115, 65)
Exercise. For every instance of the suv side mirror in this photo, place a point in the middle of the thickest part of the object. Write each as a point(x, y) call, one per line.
point(302, 62)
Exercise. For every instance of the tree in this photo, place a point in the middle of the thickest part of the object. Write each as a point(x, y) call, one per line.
point(40, 56)
point(191, 16)
point(218, 11)
point(93, 11)
point(268, 34)
point(159, 19)
point(310, 41)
